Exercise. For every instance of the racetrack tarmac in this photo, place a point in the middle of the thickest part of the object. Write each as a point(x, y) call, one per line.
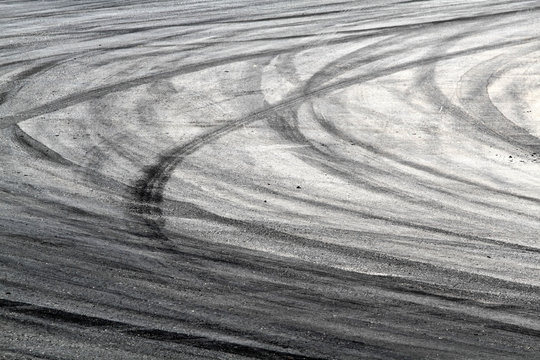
point(270, 179)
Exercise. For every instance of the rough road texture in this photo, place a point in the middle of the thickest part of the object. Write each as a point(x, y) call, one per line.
point(278, 180)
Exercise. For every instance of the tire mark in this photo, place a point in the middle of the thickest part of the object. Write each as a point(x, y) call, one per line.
point(102, 91)
point(476, 99)
point(70, 318)
point(148, 195)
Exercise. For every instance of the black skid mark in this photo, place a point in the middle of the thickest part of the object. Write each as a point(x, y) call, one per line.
point(86, 321)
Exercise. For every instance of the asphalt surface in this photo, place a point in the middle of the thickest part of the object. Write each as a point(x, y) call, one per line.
point(270, 180)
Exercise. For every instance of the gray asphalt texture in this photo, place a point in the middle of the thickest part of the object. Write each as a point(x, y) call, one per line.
point(270, 179)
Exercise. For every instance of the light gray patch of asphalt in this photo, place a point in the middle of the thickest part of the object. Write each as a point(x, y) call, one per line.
point(121, 233)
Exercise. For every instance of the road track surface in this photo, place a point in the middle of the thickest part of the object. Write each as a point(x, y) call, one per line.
point(270, 179)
